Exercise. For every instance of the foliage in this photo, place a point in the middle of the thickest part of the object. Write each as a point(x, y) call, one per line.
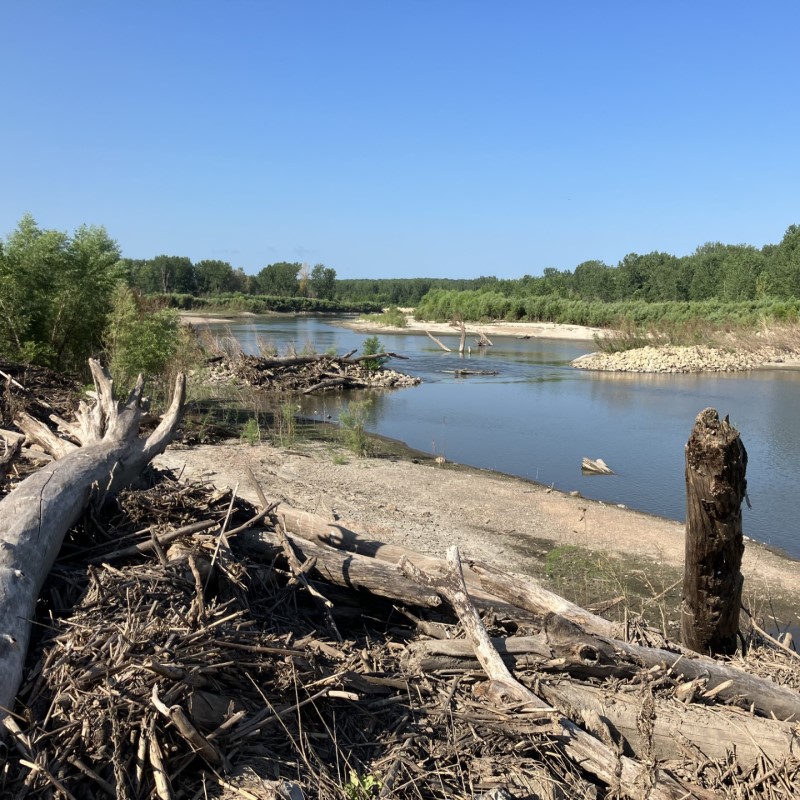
point(360, 787)
point(279, 279)
point(139, 338)
point(55, 293)
point(392, 317)
point(251, 432)
point(372, 345)
point(285, 423)
point(353, 419)
point(323, 282)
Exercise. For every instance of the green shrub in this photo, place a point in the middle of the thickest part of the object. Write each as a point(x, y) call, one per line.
point(141, 340)
point(251, 432)
point(372, 345)
point(353, 419)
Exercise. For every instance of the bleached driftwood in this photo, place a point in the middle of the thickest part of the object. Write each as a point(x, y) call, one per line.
point(634, 779)
point(35, 516)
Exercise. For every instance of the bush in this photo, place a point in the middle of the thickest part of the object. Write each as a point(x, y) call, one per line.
point(372, 345)
point(353, 419)
point(141, 340)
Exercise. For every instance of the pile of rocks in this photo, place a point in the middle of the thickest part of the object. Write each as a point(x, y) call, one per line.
point(696, 358)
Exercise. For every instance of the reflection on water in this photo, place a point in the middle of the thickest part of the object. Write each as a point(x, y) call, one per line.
point(538, 417)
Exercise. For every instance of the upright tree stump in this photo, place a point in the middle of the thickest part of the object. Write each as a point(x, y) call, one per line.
point(716, 462)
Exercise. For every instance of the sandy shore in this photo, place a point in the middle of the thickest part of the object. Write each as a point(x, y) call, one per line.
point(507, 521)
point(539, 330)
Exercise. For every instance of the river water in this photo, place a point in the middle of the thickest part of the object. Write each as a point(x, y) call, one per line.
point(537, 417)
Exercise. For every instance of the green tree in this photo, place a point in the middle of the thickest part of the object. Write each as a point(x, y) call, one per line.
point(279, 280)
point(55, 293)
point(323, 282)
point(784, 266)
point(139, 339)
point(174, 274)
point(214, 277)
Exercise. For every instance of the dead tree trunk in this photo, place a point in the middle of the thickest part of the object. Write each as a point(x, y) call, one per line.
point(38, 512)
point(716, 462)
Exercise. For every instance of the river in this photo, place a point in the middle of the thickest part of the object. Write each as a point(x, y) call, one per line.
point(537, 417)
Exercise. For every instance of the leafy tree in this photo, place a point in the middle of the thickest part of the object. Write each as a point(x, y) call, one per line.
point(174, 274)
point(594, 280)
point(784, 267)
point(55, 293)
point(139, 339)
point(214, 277)
point(279, 280)
point(323, 282)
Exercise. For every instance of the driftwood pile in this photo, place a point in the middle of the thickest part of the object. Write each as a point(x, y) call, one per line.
point(308, 374)
point(189, 645)
point(245, 657)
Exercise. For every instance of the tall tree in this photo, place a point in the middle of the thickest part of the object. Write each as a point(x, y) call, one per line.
point(323, 282)
point(279, 279)
point(214, 277)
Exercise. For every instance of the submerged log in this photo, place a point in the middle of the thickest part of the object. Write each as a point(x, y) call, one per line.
point(716, 462)
point(596, 466)
point(36, 515)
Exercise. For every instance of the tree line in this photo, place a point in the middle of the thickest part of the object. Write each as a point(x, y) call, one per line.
point(61, 295)
point(210, 277)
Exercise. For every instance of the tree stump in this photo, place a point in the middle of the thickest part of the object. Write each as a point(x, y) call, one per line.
point(716, 462)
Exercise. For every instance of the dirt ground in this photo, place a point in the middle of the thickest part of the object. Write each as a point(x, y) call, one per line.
point(500, 519)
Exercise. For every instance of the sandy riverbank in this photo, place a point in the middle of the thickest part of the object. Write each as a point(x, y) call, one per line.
point(538, 330)
point(544, 330)
point(507, 521)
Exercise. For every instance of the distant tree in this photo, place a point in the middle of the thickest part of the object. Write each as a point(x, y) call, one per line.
point(303, 286)
point(214, 277)
point(784, 266)
point(279, 280)
point(594, 280)
point(323, 282)
point(174, 274)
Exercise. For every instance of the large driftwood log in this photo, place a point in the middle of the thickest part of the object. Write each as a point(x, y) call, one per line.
point(716, 462)
point(40, 510)
point(677, 729)
point(625, 775)
point(563, 647)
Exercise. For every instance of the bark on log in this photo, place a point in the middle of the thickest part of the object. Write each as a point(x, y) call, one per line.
point(316, 529)
point(678, 728)
point(622, 774)
point(565, 648)
point(9, 451)
point(35, 516)
point(716, 462)
point(339, 568)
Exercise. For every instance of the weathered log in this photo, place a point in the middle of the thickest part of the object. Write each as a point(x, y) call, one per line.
point(339, 568)
point(35, 516)
point(10, 450)
point(716, 462)
point(629, 777)
point(316, 529)
point(564, 647)
point(677, 728)
point(595, 466)
point(439, 342)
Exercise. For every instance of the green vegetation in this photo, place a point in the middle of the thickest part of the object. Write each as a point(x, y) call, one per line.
point(372, 345)
point(251, 432)
point(353, 421)
point(55, 294)
point(392, 317)
point(362, 787)
point(286, 423)
point(140, 338)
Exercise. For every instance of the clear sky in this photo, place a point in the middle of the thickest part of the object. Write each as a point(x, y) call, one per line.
point(435, 138)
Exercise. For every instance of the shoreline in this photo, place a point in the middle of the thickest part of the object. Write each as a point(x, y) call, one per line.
point(505, 520)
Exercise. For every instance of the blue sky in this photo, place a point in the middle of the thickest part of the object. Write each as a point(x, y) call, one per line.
point(402, 139)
